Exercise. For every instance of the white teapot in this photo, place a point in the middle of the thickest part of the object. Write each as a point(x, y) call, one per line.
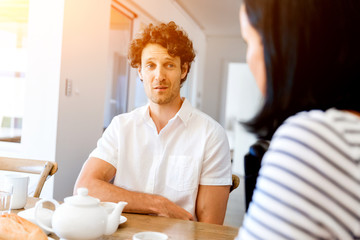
point(81, 217)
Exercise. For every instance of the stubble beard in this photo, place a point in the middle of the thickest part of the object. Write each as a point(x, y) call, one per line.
point(162, 98)
point(165, 97)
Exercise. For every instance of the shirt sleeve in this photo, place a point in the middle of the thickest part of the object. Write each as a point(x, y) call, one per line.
point(107, 145)
point(216, 169)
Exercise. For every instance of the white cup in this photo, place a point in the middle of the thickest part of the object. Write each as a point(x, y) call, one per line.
point(6, 192)
point(20, 184)
point(150, 236)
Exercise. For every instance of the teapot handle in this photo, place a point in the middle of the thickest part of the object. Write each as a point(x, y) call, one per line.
point(38, 205)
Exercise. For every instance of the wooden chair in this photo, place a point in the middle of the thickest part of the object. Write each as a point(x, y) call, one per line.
point(43, 168)
point(235, 182)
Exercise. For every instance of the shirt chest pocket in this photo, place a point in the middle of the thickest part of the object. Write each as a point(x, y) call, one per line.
point(181, 174)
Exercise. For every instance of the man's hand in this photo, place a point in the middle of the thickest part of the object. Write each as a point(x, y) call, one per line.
point(166, 208)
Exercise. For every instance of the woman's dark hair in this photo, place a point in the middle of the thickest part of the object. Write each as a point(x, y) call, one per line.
point(312, 57)
point(170, 36)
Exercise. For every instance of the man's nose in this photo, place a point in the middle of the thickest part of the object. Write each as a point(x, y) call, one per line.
point(160, 73)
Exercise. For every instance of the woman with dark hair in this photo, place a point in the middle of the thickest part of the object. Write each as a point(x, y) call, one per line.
point(305, 57)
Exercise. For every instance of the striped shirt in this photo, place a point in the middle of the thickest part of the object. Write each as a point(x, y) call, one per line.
point(309, 183)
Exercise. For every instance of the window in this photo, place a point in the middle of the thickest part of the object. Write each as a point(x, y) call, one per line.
point(13, 67)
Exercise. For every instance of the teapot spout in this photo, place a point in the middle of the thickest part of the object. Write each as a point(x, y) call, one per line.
point(113, 219)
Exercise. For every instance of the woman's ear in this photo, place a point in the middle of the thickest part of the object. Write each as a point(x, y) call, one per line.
point(184, 70)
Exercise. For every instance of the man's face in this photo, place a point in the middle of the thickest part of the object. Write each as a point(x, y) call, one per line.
point(161, 74)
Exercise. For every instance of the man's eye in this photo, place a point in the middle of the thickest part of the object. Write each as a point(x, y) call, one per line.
point(149, 66)
point(170, 65)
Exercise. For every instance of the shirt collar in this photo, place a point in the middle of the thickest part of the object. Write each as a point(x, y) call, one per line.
point(184, 112)
point(146, 112)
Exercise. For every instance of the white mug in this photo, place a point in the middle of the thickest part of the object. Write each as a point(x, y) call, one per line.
point(20, 184)
point(150, 236)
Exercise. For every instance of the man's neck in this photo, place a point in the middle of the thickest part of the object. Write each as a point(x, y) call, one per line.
point(162, 113)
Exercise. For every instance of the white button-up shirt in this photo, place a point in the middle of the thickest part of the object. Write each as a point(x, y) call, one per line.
point(191, 150)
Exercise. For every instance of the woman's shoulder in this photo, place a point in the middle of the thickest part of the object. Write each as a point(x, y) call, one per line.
point(306, 121)
point(308, 116)
point(316, 121)
point(303, 132)
point(318, 129)
point(320, 122)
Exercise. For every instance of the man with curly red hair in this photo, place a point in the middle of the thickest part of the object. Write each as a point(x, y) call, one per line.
point(166, 158)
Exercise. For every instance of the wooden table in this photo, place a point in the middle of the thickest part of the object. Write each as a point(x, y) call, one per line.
point(174, 228)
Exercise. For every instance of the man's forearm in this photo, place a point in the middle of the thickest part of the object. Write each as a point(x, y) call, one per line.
point(137, 202)
point(107, 192)
point(96, 175)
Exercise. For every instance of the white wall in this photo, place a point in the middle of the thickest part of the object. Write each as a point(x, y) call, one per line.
point(220, 51)
point(242, 102)
point(242, 95)
point(240, 99)
point(84, 61)
point(68, 40)
point(42, 88)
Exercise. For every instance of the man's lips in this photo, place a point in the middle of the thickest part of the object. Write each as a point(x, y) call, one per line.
point(160, 87)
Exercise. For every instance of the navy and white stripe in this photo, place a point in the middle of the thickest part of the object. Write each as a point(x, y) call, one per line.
point(309, 182)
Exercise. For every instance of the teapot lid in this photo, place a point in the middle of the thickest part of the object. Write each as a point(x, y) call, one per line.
point(82, 199)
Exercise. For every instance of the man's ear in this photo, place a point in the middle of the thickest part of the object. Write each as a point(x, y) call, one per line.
point(139, 73)
point(184, 70)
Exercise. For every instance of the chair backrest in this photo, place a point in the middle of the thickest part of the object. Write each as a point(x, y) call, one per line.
point(42, 168)
point(235, 182)
point(252, 164)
